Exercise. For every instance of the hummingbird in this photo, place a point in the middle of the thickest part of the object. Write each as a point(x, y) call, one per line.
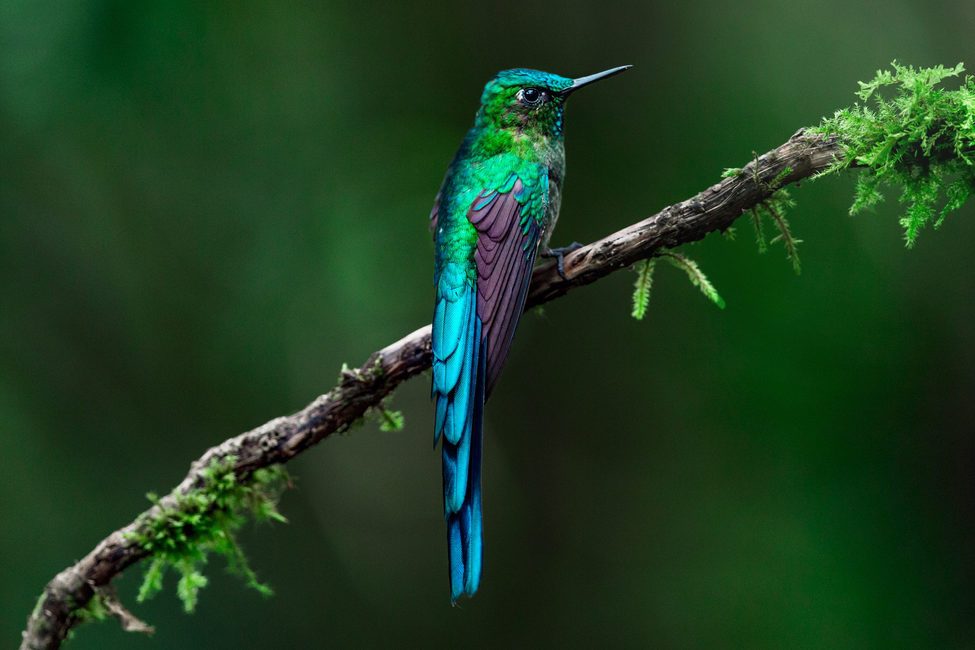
point(495, 211)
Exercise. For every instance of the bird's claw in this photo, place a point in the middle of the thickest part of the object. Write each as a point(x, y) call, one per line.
point(559, 255)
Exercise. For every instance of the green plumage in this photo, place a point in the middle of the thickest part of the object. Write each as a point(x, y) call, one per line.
point(507, 140)
point(498, 205)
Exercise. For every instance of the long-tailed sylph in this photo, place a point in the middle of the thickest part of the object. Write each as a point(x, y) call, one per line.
point(495, 211)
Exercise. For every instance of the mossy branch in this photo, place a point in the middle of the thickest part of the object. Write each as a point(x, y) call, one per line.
point(912, 134)
point(363, 389)
point(184, 531)
point(921, 139)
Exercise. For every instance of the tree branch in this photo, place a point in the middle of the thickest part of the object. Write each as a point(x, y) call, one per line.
point(283, 438)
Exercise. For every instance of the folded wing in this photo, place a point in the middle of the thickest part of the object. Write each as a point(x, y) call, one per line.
point(473, 327)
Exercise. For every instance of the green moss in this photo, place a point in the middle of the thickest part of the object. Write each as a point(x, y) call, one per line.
point(95, 610)
point(909, 133)
point(187, 528)
point(756, 219)
point(644, 281)
point(913, 134)
point(390, 420)
point(695, 275)
point(774, 209)
point(641, 288)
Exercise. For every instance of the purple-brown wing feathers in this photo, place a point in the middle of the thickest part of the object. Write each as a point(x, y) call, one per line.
point(504, 257)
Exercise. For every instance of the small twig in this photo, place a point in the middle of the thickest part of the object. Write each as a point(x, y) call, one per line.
point(129, 621)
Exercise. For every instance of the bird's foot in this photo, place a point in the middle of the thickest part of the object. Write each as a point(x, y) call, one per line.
point(559, 255)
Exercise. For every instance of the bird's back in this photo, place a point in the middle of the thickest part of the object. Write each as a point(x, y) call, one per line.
point(489, 222)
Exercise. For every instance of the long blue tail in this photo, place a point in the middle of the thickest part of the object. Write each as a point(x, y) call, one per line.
point(459, 391)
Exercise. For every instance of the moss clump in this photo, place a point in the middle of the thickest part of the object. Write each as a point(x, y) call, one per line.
point(912, 133)
point(390, 420)
point(186, 528)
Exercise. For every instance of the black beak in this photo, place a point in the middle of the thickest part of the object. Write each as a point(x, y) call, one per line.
point(585, 81)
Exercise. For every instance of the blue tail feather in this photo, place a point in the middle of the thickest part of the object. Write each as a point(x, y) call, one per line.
point(459, 389)
point(453, 319)
point(474, 555)
point(456, 472)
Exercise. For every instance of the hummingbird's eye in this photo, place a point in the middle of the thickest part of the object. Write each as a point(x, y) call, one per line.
point(531, 97)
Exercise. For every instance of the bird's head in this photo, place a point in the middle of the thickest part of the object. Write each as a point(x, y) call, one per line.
point(531, 101)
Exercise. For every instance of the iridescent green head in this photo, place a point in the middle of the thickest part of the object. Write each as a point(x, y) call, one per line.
point(531, 101)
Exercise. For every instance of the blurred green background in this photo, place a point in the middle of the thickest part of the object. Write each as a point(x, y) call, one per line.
point(206, 208)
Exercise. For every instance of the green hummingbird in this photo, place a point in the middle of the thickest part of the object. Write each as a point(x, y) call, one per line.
point(495, 211)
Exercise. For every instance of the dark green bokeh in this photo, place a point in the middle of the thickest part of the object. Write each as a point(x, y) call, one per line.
point(205, 209)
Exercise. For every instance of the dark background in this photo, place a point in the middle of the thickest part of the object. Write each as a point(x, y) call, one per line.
point(206, 208)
